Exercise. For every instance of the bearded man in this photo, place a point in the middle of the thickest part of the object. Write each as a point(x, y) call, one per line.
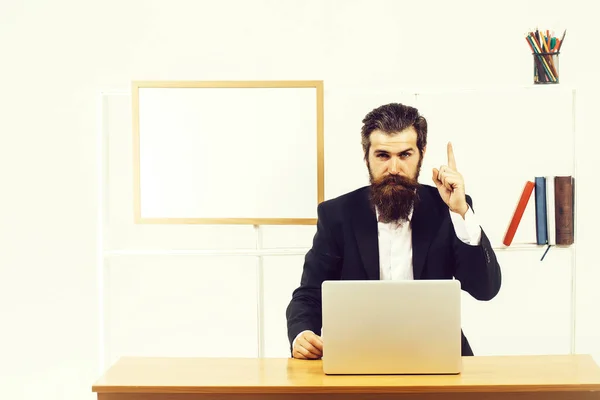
point(395, 228)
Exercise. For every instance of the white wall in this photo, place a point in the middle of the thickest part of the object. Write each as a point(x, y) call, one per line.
point(56, 57)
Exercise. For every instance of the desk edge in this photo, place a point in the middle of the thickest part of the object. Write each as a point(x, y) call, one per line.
point(348, 389)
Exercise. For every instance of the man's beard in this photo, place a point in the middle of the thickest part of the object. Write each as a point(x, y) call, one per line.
point(393, 196)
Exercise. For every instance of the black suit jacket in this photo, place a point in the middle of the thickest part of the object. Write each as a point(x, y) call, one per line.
point(345, 246)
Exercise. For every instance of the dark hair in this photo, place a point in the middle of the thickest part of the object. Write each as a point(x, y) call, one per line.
point(393, 118)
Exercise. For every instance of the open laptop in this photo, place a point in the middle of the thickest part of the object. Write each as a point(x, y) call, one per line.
point(391, 327)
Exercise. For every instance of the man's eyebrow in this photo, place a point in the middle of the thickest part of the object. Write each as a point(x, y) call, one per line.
point(400, 152)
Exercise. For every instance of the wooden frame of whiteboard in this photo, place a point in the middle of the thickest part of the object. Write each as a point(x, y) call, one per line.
point(136, 85)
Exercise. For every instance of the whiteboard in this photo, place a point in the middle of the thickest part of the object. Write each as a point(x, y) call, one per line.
point(228, 152)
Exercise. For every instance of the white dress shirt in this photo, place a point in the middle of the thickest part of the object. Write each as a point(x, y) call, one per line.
point(395, 245)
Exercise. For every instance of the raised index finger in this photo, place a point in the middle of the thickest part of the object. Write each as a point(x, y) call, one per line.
point(451, 160)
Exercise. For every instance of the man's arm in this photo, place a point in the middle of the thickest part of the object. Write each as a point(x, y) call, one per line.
point(466, 227)
point(322, 262)
point(476, 266)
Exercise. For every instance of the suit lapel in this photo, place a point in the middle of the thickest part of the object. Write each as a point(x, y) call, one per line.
point(364, 223)
point(425, 223)
point(424, 226)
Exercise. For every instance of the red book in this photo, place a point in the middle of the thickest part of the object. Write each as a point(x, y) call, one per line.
point(518, 214)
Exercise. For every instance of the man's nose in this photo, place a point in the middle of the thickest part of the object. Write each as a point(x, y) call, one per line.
point(394, 166)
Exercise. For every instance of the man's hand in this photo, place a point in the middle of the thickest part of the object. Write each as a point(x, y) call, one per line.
point(451, 185)
point(308, 346)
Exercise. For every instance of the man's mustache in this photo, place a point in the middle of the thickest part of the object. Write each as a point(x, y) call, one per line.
point(396, 180)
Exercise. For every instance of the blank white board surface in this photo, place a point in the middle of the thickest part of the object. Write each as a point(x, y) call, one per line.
point(224, 154)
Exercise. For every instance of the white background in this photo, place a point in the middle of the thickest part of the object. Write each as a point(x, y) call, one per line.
point(57, 56)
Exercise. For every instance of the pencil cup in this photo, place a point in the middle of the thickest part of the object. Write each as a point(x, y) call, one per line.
point(545, 68)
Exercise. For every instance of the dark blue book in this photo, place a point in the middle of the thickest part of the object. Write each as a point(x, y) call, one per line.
point(541, 213)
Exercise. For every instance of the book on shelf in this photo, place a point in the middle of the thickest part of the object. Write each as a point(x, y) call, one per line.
point(564, 210)
point(554, 198)
point(518, 213)
point(541, 213)
point(550, 210)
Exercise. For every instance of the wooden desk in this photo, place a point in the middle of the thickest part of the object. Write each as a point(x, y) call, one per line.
point(484, 378)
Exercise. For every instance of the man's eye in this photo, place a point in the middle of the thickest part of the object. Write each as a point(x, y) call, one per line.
point(405, 155)
point(382, 155)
